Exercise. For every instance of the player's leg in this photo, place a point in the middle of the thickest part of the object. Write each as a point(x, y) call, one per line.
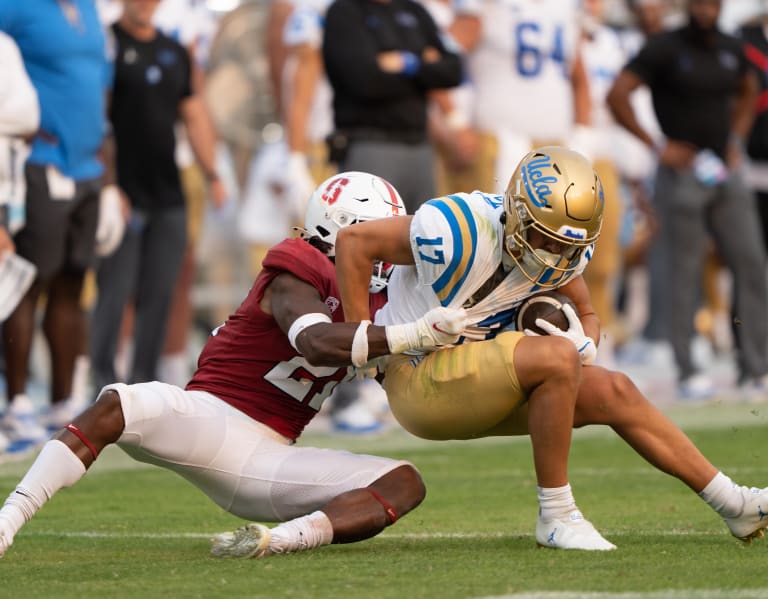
point(321, 496)
point(610, 398)
point(510, 385)
point(62, 462)
point(351, 516)
point(551, 374)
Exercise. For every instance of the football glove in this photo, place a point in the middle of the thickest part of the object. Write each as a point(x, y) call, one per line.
point(584, 345)
point(440, 326)
point(111, 225)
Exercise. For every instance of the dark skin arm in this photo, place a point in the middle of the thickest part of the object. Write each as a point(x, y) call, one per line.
point(675, 154)
point(322, 344)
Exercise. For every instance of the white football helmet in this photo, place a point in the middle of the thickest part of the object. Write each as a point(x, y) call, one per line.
point(348, 198)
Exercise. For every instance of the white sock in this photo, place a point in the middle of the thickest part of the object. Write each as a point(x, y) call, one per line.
point(299, 534)
point(722, 495)
point(55, 468)
point(555, 501)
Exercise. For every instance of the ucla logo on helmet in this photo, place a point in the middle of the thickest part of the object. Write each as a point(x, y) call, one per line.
point(572, 232)
point(536, 182)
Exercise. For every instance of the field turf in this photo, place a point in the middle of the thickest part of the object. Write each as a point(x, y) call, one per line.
point(129, 530)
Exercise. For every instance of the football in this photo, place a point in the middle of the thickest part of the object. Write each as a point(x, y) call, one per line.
point(547, 305)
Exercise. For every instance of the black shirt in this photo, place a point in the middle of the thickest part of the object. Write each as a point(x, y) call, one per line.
point(355, 31)
point(692, 84)
point(151, 79)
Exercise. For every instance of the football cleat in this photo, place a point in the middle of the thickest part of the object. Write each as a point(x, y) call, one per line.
point(570, 532)
point(753, 518)
point(251, 540)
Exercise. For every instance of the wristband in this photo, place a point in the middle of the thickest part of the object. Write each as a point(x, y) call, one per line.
point(400, 337)
point(360, 344)
point(302, 322)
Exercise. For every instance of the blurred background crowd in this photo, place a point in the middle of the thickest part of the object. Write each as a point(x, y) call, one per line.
point(219, 129)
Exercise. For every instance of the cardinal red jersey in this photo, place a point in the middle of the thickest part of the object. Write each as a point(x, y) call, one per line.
point(248, 361)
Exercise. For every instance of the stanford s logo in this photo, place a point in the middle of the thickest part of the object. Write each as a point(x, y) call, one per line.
point(333, 189)
point(536, 183)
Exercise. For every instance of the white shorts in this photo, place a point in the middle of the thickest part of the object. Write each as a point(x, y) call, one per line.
point(247, 468)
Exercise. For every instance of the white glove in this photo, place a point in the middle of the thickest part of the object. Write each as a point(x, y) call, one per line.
point(439, 326)
point(584, 344)
point(584, 140)
point(300, 184)
point(111, 225)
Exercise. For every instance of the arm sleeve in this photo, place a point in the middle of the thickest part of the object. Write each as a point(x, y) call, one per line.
point(19, 108)
point(304, 26)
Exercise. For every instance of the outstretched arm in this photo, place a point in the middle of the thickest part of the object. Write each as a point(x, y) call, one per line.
point(324, 343)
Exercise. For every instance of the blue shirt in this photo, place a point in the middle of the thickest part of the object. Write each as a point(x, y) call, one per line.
point(67, 62)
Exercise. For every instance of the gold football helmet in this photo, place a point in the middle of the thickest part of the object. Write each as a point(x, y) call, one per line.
point(555, 191)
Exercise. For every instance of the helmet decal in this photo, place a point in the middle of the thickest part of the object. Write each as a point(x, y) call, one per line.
point(536, 182)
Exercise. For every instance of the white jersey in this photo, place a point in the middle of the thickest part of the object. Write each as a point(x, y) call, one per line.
point(305, 26)
point(19, 115)
point(604, 57)
point(457, 243)
point(522, 64)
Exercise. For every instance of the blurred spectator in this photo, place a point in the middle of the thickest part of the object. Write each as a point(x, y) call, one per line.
point(704, 98)
point(457, 143)
point(382, 58)
point(603, 57)
point(19, 116)
point(642, 305)
point(755, 35)
point(63, 48)
point(190, 23)
point(530, 86)
point(152, 90)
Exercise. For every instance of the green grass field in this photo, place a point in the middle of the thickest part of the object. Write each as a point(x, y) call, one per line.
point(128, 530)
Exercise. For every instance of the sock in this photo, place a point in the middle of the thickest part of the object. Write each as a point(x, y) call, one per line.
point(56, 467)
point(555, 501)
point(722, 495)
point(302, 533)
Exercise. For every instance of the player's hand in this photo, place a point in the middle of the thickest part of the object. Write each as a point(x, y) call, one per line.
point(585, 345)
point(440, 326)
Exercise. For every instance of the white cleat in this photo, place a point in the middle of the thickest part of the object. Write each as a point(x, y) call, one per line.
point(753, 518)
point(571, 532)
point(251, 540)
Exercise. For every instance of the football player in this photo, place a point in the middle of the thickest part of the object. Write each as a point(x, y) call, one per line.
point(486, 253)
point(261, 377)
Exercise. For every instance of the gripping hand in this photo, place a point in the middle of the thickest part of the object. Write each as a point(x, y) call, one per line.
point(439, 326)
point(584, 345)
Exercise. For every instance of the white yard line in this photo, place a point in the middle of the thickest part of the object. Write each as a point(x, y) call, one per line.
point(93, 534)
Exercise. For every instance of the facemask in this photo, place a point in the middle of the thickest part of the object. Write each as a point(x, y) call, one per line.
point(542, 260)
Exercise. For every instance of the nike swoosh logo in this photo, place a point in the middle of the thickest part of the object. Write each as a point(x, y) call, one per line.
point(439, 330)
